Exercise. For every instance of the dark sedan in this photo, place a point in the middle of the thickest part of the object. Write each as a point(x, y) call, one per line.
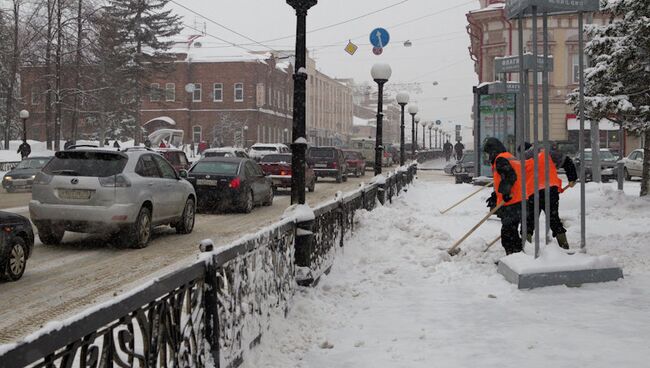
point(16, 244)
point(22, 176)
point(278, 168)
point(230, 183)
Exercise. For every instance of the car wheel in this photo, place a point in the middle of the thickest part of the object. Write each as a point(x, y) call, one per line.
point(247, 206)
point(50, 233)
point(17, 260)
point(345, 177)
point(312, 187)
point(628, 177)
point(142, 229)
point(186, 224)
point(10, 190)
point(269, 202)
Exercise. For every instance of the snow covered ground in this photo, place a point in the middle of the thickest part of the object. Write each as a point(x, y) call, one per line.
point(437, 164)
point(394, 299)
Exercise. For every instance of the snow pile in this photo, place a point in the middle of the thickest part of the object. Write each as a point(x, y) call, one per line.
point(394, 299)
point(379, 180)
point(553, 259)
point(299, 213)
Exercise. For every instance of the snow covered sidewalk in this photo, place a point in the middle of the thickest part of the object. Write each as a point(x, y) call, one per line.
point(393, 298)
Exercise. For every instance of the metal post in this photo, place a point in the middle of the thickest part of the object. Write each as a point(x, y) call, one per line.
point(505, 101)
point(546, 132)
point(424, 136)
point(402, 153)
point(24, 130)
point(299, 133)
point(413, 135)
point(522, 127)
point(380, 117)
point(535, 135)
point(416, 132)
point(583, 193)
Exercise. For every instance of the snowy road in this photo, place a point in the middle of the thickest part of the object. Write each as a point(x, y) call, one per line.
point(394, 299)
point(83, 270)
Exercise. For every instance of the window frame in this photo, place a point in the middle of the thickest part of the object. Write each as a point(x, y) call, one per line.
point(154, 92)
point(170, 88)
point(200, 132)
point(197, 88)
point(214, 92)
point(162, 163)
point(141, 164)
point(242, 92)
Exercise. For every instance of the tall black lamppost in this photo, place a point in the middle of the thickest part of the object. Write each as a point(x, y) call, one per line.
point(424, 135)
point(299, 137)
point(438, 123)
point(431, 147)
point(24, 115)
point(417, 126)
point(402, 99)
point(380, 74)
point(413, 110)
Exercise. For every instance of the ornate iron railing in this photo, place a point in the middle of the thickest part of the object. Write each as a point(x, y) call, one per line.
point(8, 166)
point(210, 313)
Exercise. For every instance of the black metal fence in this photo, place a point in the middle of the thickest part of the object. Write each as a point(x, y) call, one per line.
point(210, 313)
point(8, 165)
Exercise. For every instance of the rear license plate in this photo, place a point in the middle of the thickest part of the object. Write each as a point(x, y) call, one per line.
point(75, 194)
point(210, 183)
point(320, 165)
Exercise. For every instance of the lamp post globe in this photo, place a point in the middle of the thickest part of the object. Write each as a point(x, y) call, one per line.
point(24, 115)
point(402, 100)
point(380, 73)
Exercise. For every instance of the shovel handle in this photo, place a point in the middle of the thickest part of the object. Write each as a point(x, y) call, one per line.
point(466, 198)
point(459, 242)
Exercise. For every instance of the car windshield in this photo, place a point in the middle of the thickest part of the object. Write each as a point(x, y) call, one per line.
point(33, 163)
point(321, 153)
point(352, 155)
point(264, 148)
point(216, 167)
point(91, 164)
point(276, 158)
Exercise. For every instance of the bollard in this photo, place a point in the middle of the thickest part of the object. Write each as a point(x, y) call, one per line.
point(620, 174)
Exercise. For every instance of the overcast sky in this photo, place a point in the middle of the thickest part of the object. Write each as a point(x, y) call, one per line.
point(439, 52)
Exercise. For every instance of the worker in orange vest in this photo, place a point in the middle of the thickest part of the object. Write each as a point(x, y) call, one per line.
point(558, 159)
point(506, 169)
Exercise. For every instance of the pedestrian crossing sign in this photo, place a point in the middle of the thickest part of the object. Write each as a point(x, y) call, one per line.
point(351, 48)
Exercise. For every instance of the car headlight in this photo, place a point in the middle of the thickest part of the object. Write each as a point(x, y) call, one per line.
point(32, 177)
point(8, 178)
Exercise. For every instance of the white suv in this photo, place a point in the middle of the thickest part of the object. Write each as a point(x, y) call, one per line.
point(92, 190)
point(259, 150)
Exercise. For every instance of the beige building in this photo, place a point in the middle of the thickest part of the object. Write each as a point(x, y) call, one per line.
point(493, 35)
point(329, 108)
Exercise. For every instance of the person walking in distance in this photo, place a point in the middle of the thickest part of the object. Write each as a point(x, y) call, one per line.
point(447, 149)
point(507, 192)
point(557, 159)
point(24, 149)
point(459, 147)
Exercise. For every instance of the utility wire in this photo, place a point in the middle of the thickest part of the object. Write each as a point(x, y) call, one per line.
point(219, 38)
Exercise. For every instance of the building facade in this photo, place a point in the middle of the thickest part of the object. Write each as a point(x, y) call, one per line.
point(492, 35)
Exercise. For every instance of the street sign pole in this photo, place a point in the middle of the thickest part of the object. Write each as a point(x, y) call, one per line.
point(535, 136)
point(583, 195)
point(522, 126)
point(547, 144)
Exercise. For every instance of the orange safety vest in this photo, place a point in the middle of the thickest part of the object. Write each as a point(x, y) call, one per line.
point(554, 179)
point(515, 192)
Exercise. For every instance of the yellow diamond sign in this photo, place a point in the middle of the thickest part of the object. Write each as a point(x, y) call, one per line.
point(351, 48)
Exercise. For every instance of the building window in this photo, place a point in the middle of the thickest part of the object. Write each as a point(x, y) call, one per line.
point(218, 92)
point(170, 92)
point(36, 96)
point(239, 92)
point(197, 133)
point(154, 92)
point(196, 95)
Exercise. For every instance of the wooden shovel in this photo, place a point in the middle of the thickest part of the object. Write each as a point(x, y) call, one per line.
point(466, 198)
point(454, 248)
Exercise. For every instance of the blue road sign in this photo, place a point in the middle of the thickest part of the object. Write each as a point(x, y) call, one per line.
point(379, 38)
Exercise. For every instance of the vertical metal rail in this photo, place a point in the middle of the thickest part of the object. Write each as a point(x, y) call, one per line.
point(535, 134)
point(581, 62)
point(523, 87)
point(546, 133)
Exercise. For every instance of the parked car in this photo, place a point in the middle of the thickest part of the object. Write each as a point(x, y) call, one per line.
point(356, 163)
point(225, 152)
point(176, 157)
point(16, 244)
point(607, 164)
point(230, 183)
point(91, 190)
point(259, 150)
point(278, 169)
point(328, 162)
point(367, 148)
point(22, 176)
point(633, 164)
point(464, 165)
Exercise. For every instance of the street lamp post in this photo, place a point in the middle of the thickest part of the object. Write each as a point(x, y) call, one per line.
point(285, 136)
point(431, 147)
point(380, 74)
point(417, 126)
point(24, 115)
point(245, 136)
point(299, 137)
point(438, 123)
point(402, 99)
point(413, 110)
point(424, 135)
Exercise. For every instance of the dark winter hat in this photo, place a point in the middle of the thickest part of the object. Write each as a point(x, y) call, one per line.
point(493, 147)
